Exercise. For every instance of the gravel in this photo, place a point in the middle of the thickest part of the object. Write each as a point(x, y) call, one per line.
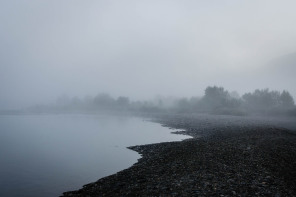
point(227, 156)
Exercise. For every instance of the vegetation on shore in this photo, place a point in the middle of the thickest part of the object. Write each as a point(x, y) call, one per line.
point(216, 100)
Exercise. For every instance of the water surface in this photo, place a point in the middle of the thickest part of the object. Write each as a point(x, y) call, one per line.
point(45, 155)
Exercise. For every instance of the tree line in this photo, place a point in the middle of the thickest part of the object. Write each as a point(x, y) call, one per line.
point(218, 100)
point(215, 100)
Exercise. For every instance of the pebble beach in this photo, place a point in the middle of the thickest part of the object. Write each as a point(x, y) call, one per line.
point(226, 156)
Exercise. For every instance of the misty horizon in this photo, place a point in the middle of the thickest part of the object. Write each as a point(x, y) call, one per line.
point(143, 49)
point(147, 98)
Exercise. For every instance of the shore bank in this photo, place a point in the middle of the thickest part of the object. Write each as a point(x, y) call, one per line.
point(227, 156)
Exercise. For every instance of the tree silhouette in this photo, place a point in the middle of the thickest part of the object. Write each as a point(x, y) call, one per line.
point(286, 99)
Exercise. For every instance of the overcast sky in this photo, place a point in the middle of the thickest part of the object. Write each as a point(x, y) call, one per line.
point(138, 48)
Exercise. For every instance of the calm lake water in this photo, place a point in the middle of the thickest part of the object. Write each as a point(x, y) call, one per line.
point(45, 155)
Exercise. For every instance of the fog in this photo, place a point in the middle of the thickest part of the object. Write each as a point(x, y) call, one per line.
point(142, 49)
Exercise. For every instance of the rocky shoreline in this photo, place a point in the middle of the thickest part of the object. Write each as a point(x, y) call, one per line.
point(227, 156)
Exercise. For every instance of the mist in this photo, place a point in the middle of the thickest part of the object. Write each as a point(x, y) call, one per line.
point(93, 93)
point(142, 49)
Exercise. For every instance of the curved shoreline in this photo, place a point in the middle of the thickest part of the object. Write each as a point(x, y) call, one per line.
point(233, 157)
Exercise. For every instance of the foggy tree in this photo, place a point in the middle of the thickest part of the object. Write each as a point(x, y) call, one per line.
point(104, 100)
point(287, 100)
point(219, 100)
point(123, 101)
point(215, 100)
point(261, 99)
point(215, 97)
point(265, 99)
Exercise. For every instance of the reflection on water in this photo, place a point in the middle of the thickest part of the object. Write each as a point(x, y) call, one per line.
point(45, 155)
